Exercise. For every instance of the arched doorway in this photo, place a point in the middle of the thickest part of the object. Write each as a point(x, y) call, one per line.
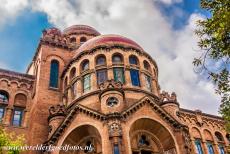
point(84, 136)
point(150, 137)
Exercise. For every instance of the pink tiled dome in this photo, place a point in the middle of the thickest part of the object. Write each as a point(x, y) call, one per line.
point(106, 40)
point(78, 29)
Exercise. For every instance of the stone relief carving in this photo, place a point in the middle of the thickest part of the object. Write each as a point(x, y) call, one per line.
point(115, 129)
point(57, 110)
point(110, 84)
point(165, 97)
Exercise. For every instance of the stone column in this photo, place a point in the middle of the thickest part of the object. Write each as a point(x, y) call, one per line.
point(79, 87)
point(204, 147)
point(142, 80)
point(216, 148)
point(127, 77)
point(154, 86)
point(110, 74)
point(93, 81)
point(69, 95)
point(7, 119)
point(25, 119)
point(193, 145)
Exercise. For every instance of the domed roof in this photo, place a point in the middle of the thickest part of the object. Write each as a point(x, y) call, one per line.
point(109, 39)
point(78, 29)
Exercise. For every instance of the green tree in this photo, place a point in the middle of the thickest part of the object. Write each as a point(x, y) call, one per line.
point(10, 140)
point(214, 42)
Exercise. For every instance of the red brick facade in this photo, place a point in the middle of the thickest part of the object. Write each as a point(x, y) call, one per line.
point(106, 94)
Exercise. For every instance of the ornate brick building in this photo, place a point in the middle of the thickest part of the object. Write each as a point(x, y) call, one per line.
point(84, 88)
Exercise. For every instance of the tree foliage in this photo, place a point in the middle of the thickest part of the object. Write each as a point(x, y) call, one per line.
point(214, 42)
point(10, 140)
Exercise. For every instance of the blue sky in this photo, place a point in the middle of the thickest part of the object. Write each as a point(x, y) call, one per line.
point(19, 39)
point(164, 28)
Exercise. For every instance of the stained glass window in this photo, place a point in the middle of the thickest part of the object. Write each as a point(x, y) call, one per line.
point(135, 77)
point(119, 74)
point(221, 149)
point(3, 97)
point(17, 117)
point(117, 58)
point(101, 76)
point(54, 71)
point(148, 82)
point(86, 83)
point(210, 148)
point(116, 149)
point(198, 146)
point(133, 60)
point(85, 65)
point(1, 113)
point(101, 60)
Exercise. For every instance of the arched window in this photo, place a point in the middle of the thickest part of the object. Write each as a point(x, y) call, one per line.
point(2, 112)
point(117, 58)
point(73, 40)
point(146, 65)
point(101, 76)
point(86, 83)
point(209, 141)
point(54, 73)
point(219, 137)
point(72, 73)
point(135, 77)
point(83, 40)
point(101, 60)
point(20, 100)
point(85, 65)
point(133, 60)
point(4, 97)
point(220, 141)
point(228, 137)
point(17, 116)
point(118, 73)
point(148, 82)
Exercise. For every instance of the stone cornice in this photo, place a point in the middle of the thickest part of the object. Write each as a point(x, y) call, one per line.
point(200, 118)
point(20, 77)
point(210, 116)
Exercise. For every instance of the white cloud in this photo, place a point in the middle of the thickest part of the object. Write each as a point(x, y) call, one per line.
point(10, 9)
point(169, 1)
point(143, 22)
point(2, 65)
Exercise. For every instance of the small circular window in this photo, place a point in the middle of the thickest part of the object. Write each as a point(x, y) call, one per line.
point(112, 101)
